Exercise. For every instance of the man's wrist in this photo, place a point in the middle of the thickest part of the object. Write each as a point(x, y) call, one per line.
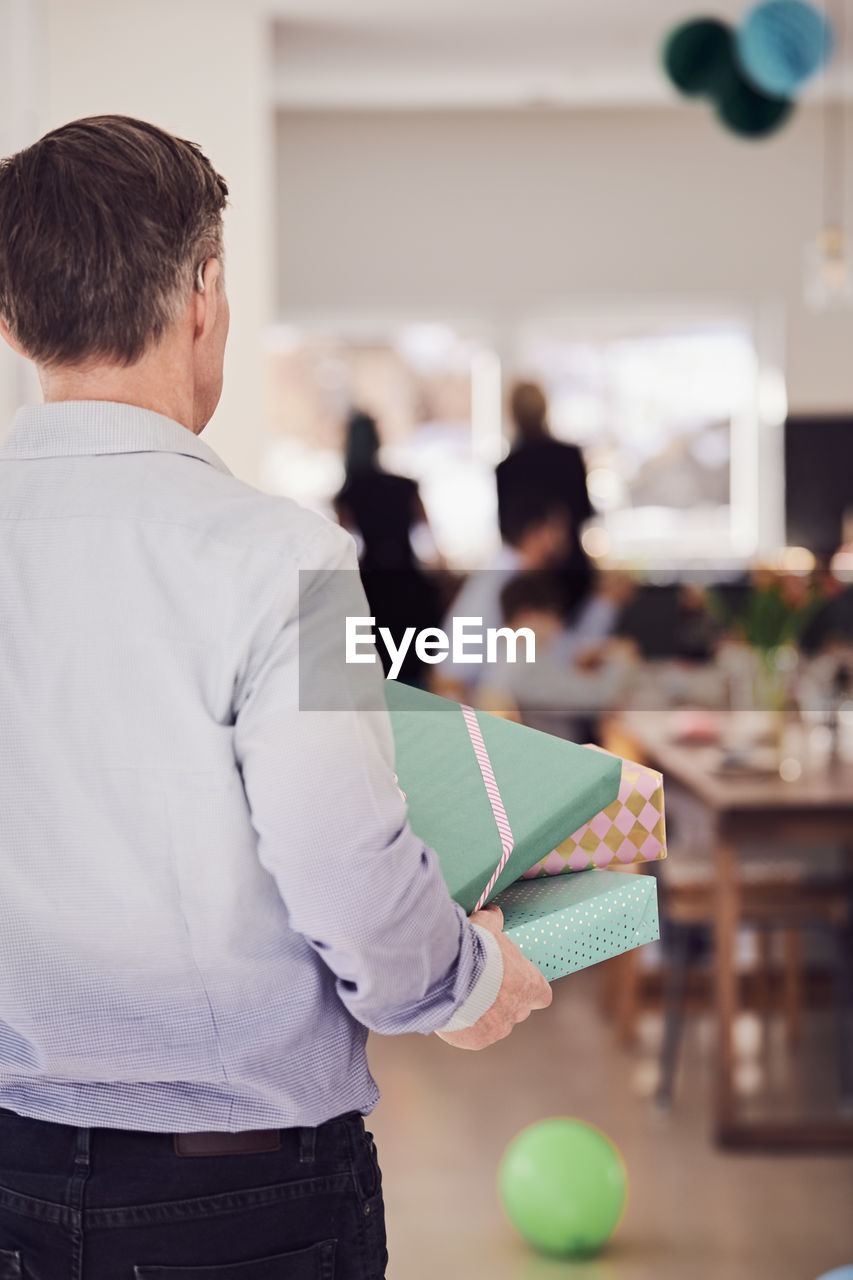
point(486, 988)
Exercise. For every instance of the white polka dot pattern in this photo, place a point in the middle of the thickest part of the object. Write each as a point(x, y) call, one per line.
point(566, 923)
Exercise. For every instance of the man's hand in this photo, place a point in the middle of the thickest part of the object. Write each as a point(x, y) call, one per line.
point(523, 989)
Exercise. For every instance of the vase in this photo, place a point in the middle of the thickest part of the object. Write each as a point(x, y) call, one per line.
point(760, 683)
point(774, 671)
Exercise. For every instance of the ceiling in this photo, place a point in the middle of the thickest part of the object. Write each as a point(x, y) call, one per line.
point(486, 53)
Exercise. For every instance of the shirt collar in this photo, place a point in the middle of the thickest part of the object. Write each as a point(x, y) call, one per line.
point(68, 428)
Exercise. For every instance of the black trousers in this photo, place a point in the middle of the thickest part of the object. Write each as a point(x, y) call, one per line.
point(109, 1204)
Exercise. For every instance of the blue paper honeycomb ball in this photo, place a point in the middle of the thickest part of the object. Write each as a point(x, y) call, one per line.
point(781, 44)
point(838, 1273)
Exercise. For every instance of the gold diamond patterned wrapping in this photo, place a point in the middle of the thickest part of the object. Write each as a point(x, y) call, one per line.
point(631, 829)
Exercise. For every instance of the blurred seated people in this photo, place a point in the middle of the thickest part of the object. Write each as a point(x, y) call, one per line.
point(675, 620)
point(557, 696)
point(832, 623)
point(381, 510)
point(553, 472)
point(537, 537)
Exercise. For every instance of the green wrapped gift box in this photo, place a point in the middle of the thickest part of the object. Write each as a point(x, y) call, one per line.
point(566, 923)
point(480, 789)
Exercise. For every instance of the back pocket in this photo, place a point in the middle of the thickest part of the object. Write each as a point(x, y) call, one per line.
point(316, 1263)
point(10, 1265)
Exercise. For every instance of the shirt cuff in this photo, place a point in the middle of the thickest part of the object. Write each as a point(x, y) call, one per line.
point(486, 988)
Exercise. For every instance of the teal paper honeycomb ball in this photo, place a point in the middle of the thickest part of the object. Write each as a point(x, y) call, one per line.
point(697, 56)
point(563, 1185)
point(749, 113)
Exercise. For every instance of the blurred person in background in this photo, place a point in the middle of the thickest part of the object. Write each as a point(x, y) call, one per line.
point(537, 539)
point(558, 693)
point(192, 942)
point(552, 471)
point(832, 623)
point(382, 510)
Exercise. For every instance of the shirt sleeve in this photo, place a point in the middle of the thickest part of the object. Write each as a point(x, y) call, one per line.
point(366, 894)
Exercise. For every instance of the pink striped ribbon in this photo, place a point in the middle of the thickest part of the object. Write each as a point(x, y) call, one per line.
point(501, 820)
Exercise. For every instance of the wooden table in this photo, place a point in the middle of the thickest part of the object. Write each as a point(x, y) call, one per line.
point(744, 808)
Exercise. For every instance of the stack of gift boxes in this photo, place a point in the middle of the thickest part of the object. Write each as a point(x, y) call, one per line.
point(510, 811)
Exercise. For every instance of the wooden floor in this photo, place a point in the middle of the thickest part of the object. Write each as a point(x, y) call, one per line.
point(694, 1214)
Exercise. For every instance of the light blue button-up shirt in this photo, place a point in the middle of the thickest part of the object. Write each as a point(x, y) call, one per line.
point(207, 896)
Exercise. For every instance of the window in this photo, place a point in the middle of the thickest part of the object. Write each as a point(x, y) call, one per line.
point(434, 389)
point(667, 416)
point(679, 417)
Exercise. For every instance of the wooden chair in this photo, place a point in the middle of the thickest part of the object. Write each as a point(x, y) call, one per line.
point(785, 904)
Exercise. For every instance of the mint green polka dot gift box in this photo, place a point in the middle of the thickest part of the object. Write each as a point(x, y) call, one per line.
point(566, 923)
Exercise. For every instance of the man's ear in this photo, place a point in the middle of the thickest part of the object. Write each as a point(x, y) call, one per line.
point(6, 334)
point(206, 297)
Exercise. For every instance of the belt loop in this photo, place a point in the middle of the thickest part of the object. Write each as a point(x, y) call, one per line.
point(307, 1145)
point(82, 1148)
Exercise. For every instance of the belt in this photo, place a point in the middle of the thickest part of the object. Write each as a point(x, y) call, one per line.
point(227, 1144)
point(222, 1143)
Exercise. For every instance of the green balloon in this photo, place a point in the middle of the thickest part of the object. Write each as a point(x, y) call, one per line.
point(563, 1186)
point(698, 56)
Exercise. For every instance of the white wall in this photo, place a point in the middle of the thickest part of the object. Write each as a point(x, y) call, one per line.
point(197, 68)
point(20, 52)
point(507, 212)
